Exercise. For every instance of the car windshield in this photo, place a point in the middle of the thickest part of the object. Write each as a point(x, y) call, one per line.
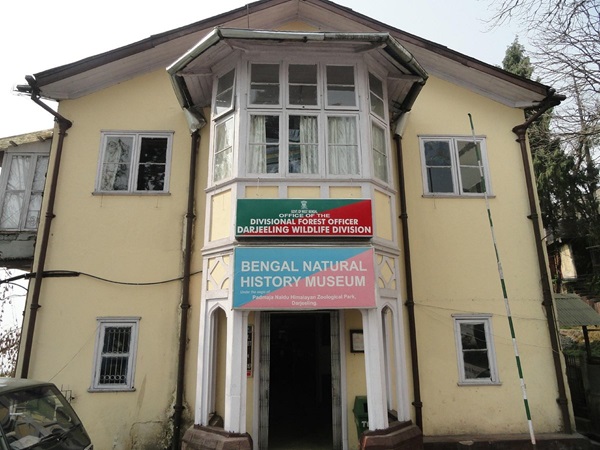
point(33, 415)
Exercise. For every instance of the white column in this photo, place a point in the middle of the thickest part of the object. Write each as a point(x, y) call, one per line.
point(375, 369)
point(205, 368)
point(235, 372)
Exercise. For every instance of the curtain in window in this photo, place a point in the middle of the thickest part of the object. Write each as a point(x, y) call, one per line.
point(308, 145)
point(342, 146)
point(257, 154)
point(15, 192)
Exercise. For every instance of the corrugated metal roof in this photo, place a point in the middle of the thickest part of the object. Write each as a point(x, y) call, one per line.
point(573, 311)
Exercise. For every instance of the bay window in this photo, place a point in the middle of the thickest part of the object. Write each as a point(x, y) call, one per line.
point(300, 118)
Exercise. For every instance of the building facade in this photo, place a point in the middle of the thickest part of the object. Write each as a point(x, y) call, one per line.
point(274, 225)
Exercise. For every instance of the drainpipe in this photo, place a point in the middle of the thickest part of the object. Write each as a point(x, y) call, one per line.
point(410, 304)
point(520, 130)
point(63, 126)
point(196, 122)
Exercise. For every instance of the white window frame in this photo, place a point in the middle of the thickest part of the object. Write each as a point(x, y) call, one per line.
point(457, 182)
point(28, 191)
point(121, 322)
point(216, 92)
point(223, 122)
point(486, 321)
point(137, 137)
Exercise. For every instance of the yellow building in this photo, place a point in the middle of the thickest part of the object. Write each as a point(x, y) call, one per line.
point(271, 229)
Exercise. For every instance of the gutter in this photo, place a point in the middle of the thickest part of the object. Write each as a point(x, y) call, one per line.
point(552, 99)
point(63, 126)
point(196, 122)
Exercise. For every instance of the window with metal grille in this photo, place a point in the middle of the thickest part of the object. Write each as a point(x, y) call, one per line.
point(115, 354)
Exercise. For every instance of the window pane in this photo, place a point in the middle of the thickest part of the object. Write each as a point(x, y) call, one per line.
point(340, 86)
point(438, 162)
point(11, 210)
point(16, 191)
point(470, 175)
point(113, 370)
point(471, 180)
point(468, 153)
point(224, 99)
point(116, 339)
point(263, 154)
point(437, 153)
point(380, 163)
point(19, 171)
point(39, 177)
point(303, 144)
point(343, 157)
point(116, 164)
point(474, 346)
point(264, 84)
point(303, 84)
point(33, 212)
point(152, 164)
point(439, 179)
point(376, 97)
point(223, 161)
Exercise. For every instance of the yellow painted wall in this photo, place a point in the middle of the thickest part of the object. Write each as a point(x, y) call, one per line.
point(454, 271)
point(127, 239)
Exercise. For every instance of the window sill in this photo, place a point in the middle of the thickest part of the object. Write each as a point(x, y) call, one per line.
point(113, 389)
point(130, 194)
point(476, 196)
point(479, 383)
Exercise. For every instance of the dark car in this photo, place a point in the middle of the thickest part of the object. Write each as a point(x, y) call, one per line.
point(35, 415)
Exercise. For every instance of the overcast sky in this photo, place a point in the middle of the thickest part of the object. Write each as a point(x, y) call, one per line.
point(37, 35)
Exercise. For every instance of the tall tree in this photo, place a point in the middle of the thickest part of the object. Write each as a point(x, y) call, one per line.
point(568, 210)
point(565, 36)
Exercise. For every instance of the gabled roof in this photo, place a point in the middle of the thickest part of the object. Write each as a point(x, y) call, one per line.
point(161, 50)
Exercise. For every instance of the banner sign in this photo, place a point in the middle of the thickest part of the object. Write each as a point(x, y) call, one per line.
point(304, 278)
point(303, 218)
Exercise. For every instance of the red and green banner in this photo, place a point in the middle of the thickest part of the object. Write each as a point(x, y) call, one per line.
point(304, 218)
point(304, 278)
